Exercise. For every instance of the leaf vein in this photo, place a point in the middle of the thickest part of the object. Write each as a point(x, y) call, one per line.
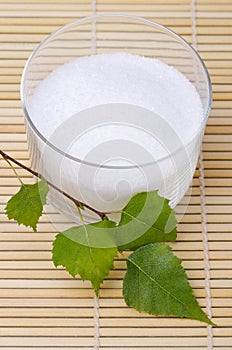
point(157, 283)
point(142, 222)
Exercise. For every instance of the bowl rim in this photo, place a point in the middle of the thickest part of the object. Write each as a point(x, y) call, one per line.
point(92, 18)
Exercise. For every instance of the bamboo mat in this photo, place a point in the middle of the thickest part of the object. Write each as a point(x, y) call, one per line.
point(42, 307)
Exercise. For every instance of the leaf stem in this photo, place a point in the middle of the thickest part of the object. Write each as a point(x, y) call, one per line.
point(15, 172)
point(86, 232)
point(80, 214)
point(78, 203)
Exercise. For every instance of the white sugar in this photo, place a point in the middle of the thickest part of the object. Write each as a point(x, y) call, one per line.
point(117, 131)
point(116, 78)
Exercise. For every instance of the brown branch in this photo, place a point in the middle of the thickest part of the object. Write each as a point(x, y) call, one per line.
point(35, 173)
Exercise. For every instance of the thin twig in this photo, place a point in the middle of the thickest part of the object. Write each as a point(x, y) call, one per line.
point(35, 173)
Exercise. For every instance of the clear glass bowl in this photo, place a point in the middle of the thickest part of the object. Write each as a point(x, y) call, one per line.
point(105, 186)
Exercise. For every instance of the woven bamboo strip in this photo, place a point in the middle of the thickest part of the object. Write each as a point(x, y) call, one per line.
point(48, 28)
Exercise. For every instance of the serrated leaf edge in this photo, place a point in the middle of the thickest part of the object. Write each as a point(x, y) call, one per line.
point(157, 283)
point(209, 322)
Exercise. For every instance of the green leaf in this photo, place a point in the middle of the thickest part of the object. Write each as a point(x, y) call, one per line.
point(147, 218)
point(87, 250)
point(156, 283)
point(26, 205)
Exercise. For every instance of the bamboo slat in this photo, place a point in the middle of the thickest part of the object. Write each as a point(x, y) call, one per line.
point(42, 307)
